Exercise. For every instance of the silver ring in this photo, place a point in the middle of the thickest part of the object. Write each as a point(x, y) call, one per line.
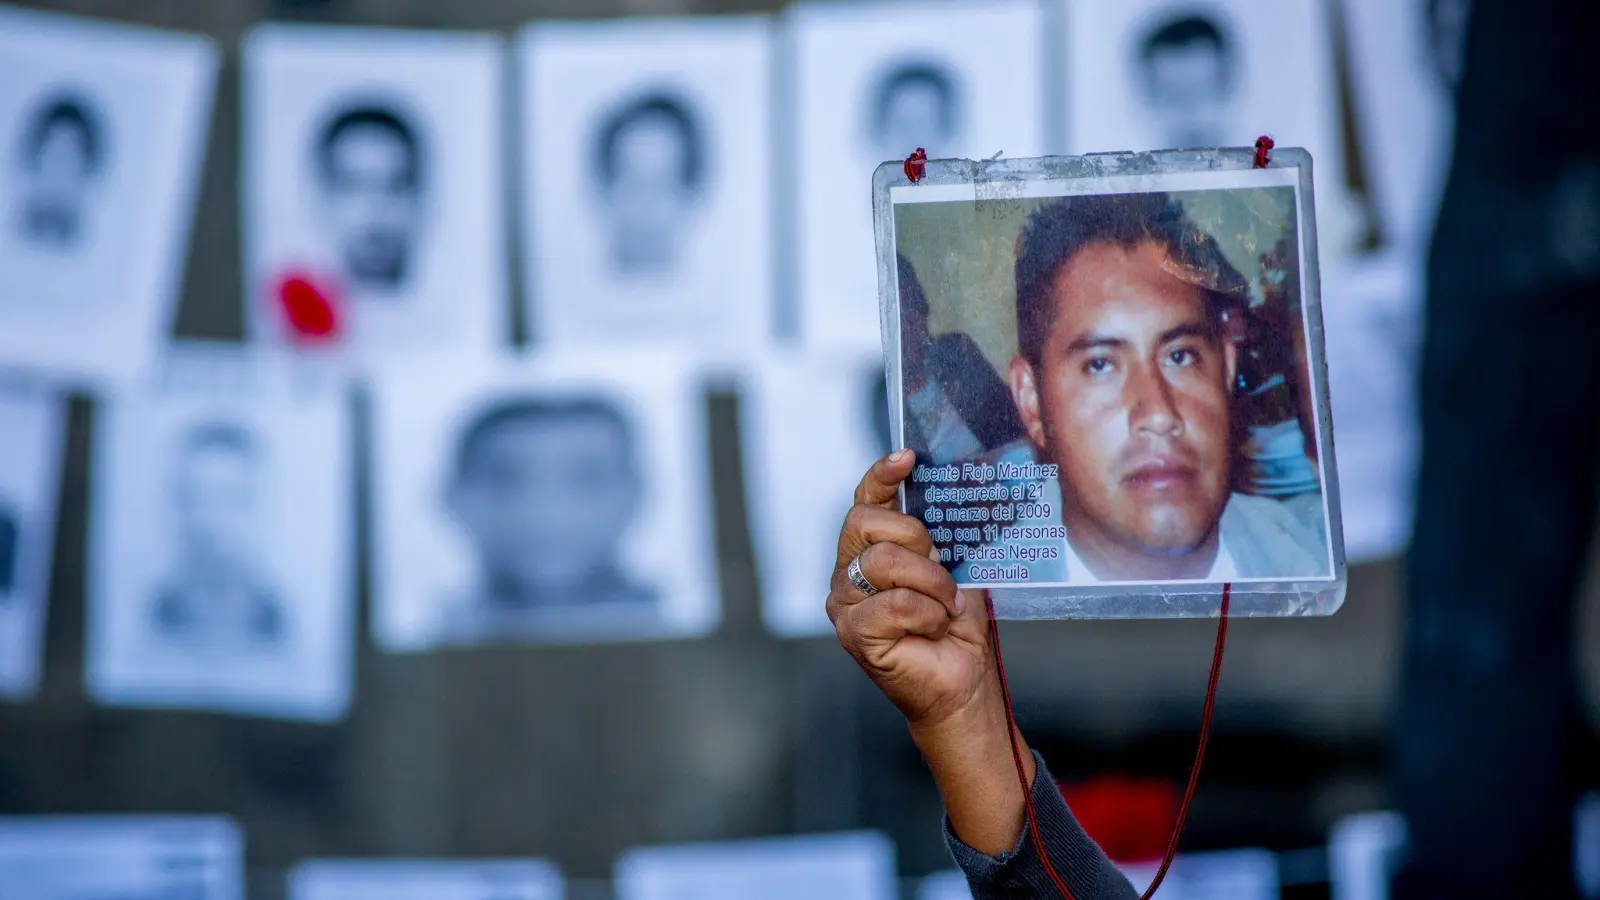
point(858, 577)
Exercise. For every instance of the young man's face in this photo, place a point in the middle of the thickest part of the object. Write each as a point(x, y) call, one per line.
point(648, 195)
point(545, 501)
point(1131, 399)
point(1187, 89)
point(913, 116)
point(216, 494)
point(372, 203)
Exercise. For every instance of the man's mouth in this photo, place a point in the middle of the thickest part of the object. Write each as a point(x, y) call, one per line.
point(1159, 474)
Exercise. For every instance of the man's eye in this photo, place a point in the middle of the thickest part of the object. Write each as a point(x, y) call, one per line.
point(1183, 356)
point(1098, 365)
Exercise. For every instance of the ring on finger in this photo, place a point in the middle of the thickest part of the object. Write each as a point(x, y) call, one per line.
point(859, 578)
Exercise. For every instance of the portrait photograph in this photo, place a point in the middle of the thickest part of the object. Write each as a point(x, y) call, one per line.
point(32, 434)
point(424, 879)
point(371, 181)
point(811, 425)
point(222, 540)
point(857, 865)
point(124, 857)
point(646, 180)
point(1113, 379)
point(1186, 74)
point(868, 87)
point(560, 499)
point(1405, 59)
point(102, 141)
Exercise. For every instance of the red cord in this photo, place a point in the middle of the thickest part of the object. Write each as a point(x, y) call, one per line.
point(1194, 772)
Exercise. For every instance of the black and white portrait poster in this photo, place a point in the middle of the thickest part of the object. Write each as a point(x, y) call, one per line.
point(1404, 62)
point(372, 184)
point(221, 544)
point(647, 179)
point(1372, 322)
point(126, 857)
point(872, 82)
point(102, 138)
point(846, 866)
point(424, 879)
point(812, 425)
point(1182, 74)
point(563, 498)
point(32, 425)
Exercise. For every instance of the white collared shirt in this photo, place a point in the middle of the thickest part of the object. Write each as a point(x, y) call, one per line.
point(1222, 568)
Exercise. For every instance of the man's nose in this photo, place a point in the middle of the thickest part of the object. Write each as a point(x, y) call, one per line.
point(1151, 407)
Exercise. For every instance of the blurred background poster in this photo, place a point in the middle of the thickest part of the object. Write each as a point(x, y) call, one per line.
point(422, 879)
point(811, 425)
point(222, 540)
point(1174, 74)
point(32, 428)
point(850, 866)
point(370, 176)
point(1219, 875)
point(1405, 59)
point(124, 857)
point(646, 172)
point(869, 86)
point(102, 130)
point(558, 499)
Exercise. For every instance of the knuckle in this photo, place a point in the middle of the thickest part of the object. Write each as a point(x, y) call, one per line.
point(900, 604)
point(855, 521)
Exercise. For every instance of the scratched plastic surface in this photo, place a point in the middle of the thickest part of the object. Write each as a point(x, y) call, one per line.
point(1004, 179)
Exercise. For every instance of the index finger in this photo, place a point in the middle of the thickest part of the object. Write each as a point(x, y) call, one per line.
point(881, 484)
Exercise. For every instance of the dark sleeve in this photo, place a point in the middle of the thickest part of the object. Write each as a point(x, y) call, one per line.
point(1020, 875)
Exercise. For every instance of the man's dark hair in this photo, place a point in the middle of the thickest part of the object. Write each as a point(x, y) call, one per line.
point(532, 409)
point(925, 74)
point(68, 109)
point(1063, 226)
point(377, 116)
point(1181, 31)
point(666, 106)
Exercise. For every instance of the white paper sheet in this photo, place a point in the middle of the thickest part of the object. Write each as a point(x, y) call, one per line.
point(102, 133)
point(647, 171)
point(552, 498)
point(222, 540)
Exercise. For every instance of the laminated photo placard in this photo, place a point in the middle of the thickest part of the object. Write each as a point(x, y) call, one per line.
point(1111, 370)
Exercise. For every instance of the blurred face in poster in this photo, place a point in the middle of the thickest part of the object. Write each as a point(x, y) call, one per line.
point(651, 167)
point(217, 599)
point(216, 497)
point(914, 105)
point(545, 491)
point(61, 158)
point(369, 168)
point(1186, 73)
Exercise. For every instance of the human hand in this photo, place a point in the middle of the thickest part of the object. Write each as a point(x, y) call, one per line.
point(925, 644)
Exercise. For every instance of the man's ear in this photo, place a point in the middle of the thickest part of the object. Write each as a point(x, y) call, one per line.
point(1025, 394)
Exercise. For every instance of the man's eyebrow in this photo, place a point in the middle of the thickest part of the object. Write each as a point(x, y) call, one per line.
point(1093, 341)
point(1190, 329)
